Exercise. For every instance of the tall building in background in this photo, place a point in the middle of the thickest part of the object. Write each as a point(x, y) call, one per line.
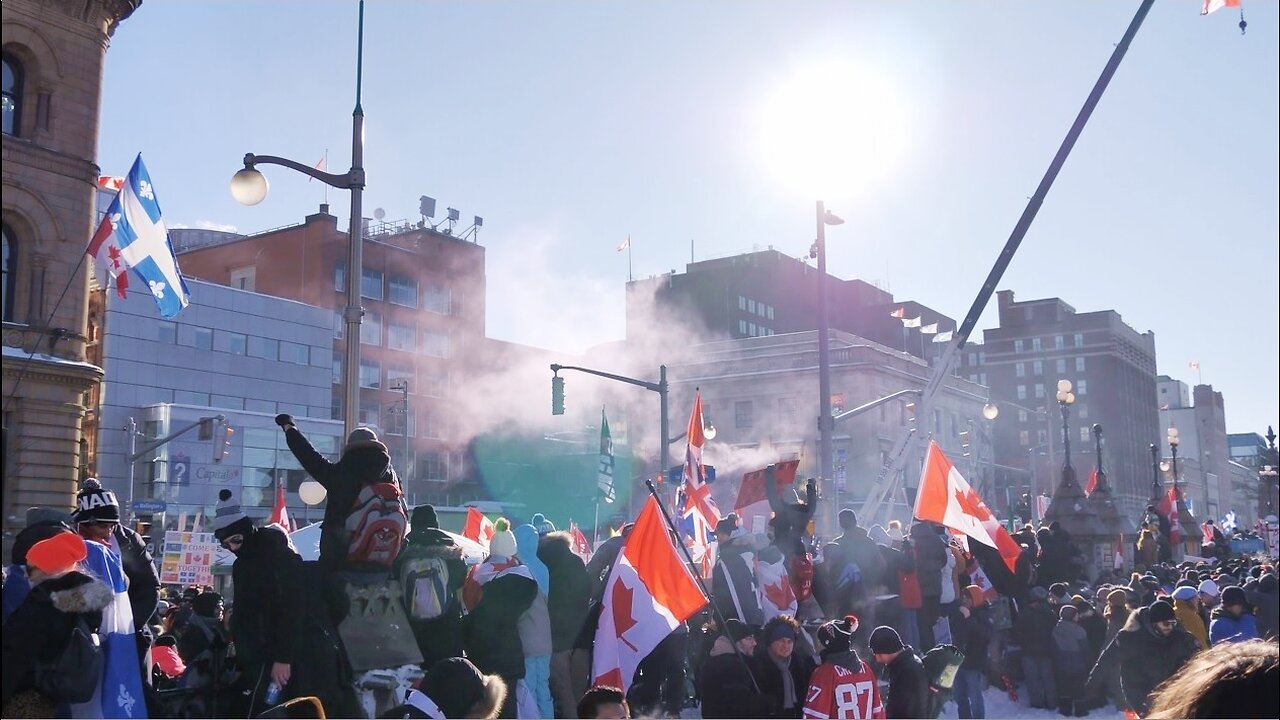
point(767, 293)
point(423, 293)
point(1112, 368)
point(54, 53)
point(1204, 456)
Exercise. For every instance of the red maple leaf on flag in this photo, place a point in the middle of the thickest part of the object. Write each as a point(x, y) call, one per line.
point(781, 595)
point(114, 253)
point(622, 619)
point(971, 504)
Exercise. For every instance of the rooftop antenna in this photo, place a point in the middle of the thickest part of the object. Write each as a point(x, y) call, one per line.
point(427, 209)
point(474, 230)
point(451, 218)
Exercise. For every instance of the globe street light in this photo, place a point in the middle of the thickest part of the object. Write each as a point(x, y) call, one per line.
point(1065, 400)
point(1173, 450)
point(249, 186)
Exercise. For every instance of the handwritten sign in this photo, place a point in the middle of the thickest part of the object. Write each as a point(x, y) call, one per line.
point(188, 558)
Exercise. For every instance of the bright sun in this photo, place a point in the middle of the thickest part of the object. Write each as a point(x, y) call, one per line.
point(831, 130)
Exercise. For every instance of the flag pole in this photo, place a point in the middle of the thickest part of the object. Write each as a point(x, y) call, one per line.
point(595, 529)
point(720, 619)
point(54, 338)
point(630, 277)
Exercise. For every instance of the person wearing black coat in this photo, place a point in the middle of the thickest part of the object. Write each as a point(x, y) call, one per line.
point(283, 619)
point(365, 460)
point(726, 682)
point(789, 519)
point(733, 581)
point(567, 605)
point(489, 630)
point(40, 627)
point(1033, 633)
point(782, 673)
point(909, 693)
point(971, 633)
point(441, 637)
point(1148, 650)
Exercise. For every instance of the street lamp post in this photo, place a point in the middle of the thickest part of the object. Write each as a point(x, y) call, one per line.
point(250, 187)
point(826, 423)
point(1065, 400)
point(1173, 450)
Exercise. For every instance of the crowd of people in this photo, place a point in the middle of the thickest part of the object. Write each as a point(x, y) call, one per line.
point(877, 622)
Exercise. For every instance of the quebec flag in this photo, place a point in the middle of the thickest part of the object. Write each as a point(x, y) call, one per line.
point(120, 695)
point(133, 236)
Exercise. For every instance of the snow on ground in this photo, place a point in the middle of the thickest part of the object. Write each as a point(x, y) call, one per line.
point(998, 705)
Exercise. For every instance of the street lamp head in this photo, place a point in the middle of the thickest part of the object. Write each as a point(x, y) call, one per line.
point(248, 186)
point(990, 411)
point(1164, 466)
point(1064, 386)
point(709, 432)
point(1097, 429)
point(1071, 398)
point(831, 218)
point(1173, 436)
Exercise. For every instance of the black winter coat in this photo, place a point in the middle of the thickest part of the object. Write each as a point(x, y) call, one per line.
point(359, 465)
point(144, 581)
point(570, 589)
point(266, 617)
point(39, 628)
point(733, 576)
point(908, 694)
point(789, 519)
point(931, 557)
point(1033, 630)
point(1146, 658)
point(442, 637)
point(769, 675)
point(972, 635)
point(726, 688)
point(491, 638)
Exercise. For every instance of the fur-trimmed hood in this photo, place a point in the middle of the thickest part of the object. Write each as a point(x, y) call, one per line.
point(423, 544)
point(76, 592)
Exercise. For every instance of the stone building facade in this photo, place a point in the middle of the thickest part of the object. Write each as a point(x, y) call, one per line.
point(54, 53)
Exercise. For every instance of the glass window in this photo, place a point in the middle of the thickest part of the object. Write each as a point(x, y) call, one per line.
point(318, 356)
point(436, 299)
point(401, 336)
point(187, 397)
point(1017, 346)
point(1024, 438)
point(1079, 340)
point(751, 306)
point(237, 343)
point(271, 348)
point(435, 343)
point(397, 374)
point(226, 401)
point(1082, 387)
point(1080, 364)
point(1020, 369)
point(434, 383)
point(340, 277)
point(370, 374)
point(339, 325)
point(432, 425)
point(202, 338)
point(370, 412)
point(244, 278)
point(166, 332)
point(12, 95)
point(743, 414)
point(337, 367)
point(1057, 342)
point(395, 421)
point(742, 303)
point(1037, 367)
point(403, 291)
point(751, 329)
point(1082, 412)
point(770, 313)
point(433, 466)
point(742, 327)
point(1039, 390)
point(982, 378)
point(1022, 392)
point(371, 283)
point(1022, 416)
point(1036, 345)
point(9, 267)
point(1061, 365)
point(1084, 434)
point(295, 353)
point(760, 309)
point(262, 406)
point(371, 329)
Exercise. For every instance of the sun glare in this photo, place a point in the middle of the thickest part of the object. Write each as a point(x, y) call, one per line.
point(831, 130)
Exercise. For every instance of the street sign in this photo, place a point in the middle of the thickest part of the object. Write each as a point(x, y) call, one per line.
point(150, 507)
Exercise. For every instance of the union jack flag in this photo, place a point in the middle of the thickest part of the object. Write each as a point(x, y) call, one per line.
point(695, 501)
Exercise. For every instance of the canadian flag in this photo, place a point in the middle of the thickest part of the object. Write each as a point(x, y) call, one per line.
point(753, 501)
point(1168, 506)
point(776, 595)
point(650, 591)
point(104, 248)
point(945, 497)
point(581, 546)
point(280, 511)
point(1212, 5)
point(478, 527)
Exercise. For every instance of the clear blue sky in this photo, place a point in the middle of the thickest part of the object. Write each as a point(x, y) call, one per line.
point(569, 125)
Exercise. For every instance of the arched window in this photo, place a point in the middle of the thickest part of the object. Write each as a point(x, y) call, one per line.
point(10, 276)
point(12, 96)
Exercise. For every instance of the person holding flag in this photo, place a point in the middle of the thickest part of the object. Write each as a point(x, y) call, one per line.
point(698, 506)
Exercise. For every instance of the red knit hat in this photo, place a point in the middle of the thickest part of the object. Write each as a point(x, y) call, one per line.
point(58, 554)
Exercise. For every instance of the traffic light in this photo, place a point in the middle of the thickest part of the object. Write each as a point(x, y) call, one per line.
point(222, 448)
point(557, 395)
point(206, 429)
point(964, 442)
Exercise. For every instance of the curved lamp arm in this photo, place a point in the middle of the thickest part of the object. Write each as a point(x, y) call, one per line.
point(353, 178)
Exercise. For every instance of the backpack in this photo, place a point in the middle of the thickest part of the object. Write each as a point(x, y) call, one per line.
point(940, 666)
point(376, 525)
point(426, 587)
point(801, 572)
point(75, 674)
point(845, 572)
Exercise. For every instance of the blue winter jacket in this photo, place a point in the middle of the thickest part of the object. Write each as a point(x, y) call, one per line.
point(1229, 628)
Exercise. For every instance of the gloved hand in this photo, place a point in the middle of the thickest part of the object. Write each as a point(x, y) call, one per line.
point(284, 420)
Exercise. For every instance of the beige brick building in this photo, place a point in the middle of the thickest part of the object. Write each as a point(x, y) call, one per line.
point(53, 64)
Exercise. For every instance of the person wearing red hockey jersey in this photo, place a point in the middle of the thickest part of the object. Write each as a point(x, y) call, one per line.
point(843, 686)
